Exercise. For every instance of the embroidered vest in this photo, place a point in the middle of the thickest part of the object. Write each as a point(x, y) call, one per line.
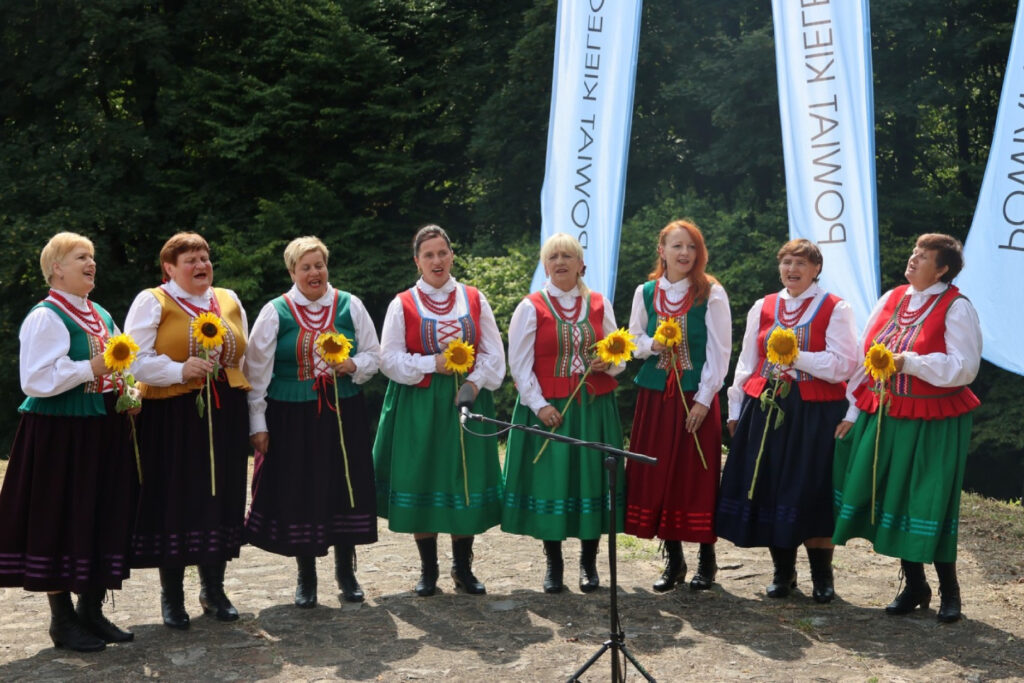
point(912, 397)
point(85, 400)
point(558, 342)
point(691, 351)
point(810, 336)
point(421, 333)
point(174, 340)
point(294, 357)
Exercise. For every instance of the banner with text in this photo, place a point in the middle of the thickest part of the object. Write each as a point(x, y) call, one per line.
point(993, 274)
point(826, 103)
point(588, 131)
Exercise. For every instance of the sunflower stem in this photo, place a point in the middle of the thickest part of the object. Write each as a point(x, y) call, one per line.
point(209, 425)
point(564, 410)
point(679, 383)
point(764, 436)
point(874, 464)
point(341, 438)
point(462, 444)
point(135, 444)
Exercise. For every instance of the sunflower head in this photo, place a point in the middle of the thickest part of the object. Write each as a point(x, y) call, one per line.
point(669, 332)
point(617, 347)
point(120, 353)
point(334, 347)
point(459, 356)
point(783, 347)
point(208, 329)
point(879, 362)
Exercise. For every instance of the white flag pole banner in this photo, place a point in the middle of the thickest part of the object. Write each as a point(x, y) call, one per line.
point(993, 274)
point(588, 131)
point(826, 103)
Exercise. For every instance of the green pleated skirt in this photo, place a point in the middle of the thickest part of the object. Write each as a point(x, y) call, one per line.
point(423, 483)
point(918, 478)
point(565, 494)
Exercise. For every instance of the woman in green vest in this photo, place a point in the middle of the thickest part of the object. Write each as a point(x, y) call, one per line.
point(68, 499)
point(308, 492)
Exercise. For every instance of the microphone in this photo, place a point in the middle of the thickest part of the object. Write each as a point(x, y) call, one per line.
point(464, 400)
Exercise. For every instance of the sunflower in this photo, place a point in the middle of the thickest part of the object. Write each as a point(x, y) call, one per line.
point(616, 348)
point(120, 353)
point(669, 333)
point(782, 346)
point(459, 356)
point(208, 330)
point(334, 347)
point(879, 362)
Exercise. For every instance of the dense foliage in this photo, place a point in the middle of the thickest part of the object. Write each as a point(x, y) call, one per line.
point(253, 121)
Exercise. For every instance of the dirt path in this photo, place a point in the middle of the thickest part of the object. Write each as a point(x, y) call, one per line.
point(518, 633)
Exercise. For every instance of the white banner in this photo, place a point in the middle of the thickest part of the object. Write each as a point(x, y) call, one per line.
point(993, 274)
point(826, 103)
point(588, 131)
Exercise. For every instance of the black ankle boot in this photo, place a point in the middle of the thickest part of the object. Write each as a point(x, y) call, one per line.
point(820, 560)
point(707, 568)
point(65, 629)
point(784, 579)
point(345, 573)
point(305, 585)
point(172, 597)
point(462, 566)
point(916, 593)
point(949, 593)
point(675, 566)
point(427, 585)
point(90, 615)
point(589, 580)
point(556, 567)
point(211, 593)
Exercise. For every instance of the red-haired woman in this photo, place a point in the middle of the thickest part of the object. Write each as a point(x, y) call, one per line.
point(790, 503)
point(675, 499)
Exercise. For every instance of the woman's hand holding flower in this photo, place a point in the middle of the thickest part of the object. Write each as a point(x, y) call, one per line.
point(550, 416)
point(195, 368)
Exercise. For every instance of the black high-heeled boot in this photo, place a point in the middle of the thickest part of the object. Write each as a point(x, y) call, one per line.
point(553, 576)
point(707, 568)
point(675, 567)
point(820, 560)
point(949, 593)
point(345, 573)
point(305, 585)
point(65, 629)
point(427, 584)
point(90, 615)
point(462, 566)
point(172, 597)
point(784, 579)
point(211, 593)
point(589, 580)
point(916, 593)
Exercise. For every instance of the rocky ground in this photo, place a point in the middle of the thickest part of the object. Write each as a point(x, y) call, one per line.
point(518, 633)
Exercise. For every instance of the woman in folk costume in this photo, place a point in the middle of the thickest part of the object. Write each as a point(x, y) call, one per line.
point(683, 327)
point(898, 483)
point(68, 499)
point(776, 484)
point(430, 477)
point(192, 502)
point(555, 491)
point(309, 493)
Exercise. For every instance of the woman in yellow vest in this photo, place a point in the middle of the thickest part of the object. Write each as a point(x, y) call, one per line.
point(192, 501)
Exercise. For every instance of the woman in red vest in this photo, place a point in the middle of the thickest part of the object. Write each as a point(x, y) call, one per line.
point(564, 493)
point(776, 487)
point(675, 499)
point(914, 474)
point(68, 499)
point(309, 494)
point(430, 478)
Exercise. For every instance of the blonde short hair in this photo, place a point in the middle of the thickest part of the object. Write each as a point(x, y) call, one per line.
point(561, 241)
point(59, 246)
point(299, 247)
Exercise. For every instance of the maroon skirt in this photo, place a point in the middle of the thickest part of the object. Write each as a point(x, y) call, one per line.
point(300, 493)
point(674, 499)
point(180, 522)
point(68, 503)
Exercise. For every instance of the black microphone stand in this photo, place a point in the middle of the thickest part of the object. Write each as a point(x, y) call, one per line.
point(616, 642)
